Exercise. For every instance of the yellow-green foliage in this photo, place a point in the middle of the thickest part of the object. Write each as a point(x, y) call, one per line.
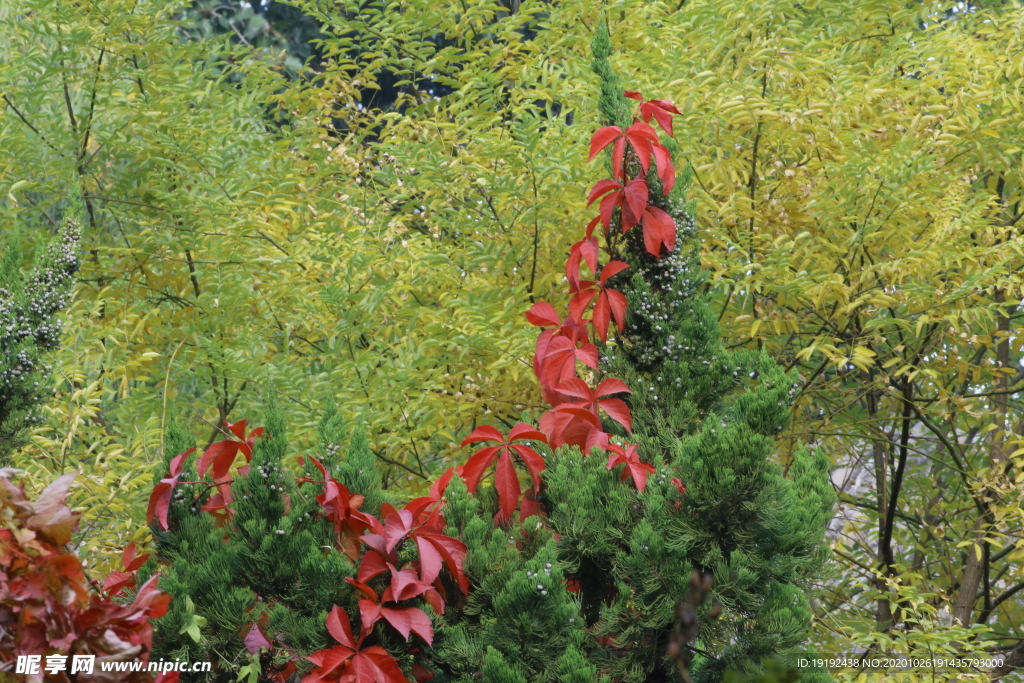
point(226, 257)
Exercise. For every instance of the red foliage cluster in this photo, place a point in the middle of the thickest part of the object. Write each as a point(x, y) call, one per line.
point(46, 607)
point(375, 545)
point(218, 460)
point(575, 416)
point(118, 581)
point(419, 523)
point(505, 478)
point(341, 508)
point(349, 660)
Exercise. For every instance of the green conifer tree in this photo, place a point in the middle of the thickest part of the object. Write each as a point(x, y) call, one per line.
point(266, 566)
point(707, 417)
point(587, 591)
point(29, 305)
point(520, 623)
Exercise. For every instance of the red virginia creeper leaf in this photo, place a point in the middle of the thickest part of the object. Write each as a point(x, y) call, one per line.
point(430, 560)
point(602, 138)
point(340, 627)
point(506, 481)
point(255, 640)
point(118, 581)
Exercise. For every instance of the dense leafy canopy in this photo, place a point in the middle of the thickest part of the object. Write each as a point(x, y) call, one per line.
point(251, 227)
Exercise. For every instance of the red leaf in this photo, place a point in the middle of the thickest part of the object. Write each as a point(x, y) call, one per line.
point(340, 627)
point(523, 431)
point(217, 506)
point(438, 487)
point(617, 303)
point(434, 599)
point(529, 507)
point(587, 354)
point(375, 665)
point(118, 581)
point(618, 154)
point(662, 111)
point(364, 589)
point(635, 468)
point(284, 674)
point(421, 673)
point(483, 433)
point(591, 399)
point(255, 640)
point(665, 105)
point(405, 584)
point(666, 169)
point(659, 230)
point(629, 219)
point(320, 466)
point(566, 425)
point(420, 624)
point(369, 614)
point(408, 620)
point(602, 187)
point(372, 564)
point(220, 456)
point(637, 195)
point(247, 446)
point(589, 250)
point(473, 471)
point(641, 131)
point(150, 599)
point(238, 429)
point(634, 95)
point(397, 525)
point(611, 269)
point(130, 561)
point(506, 481)
point(602, 138)
point(612, 385)
point(579, 302)
point(454, 552)
point(399, 618)
point(577, 388)
point(327, 662)
point(178, 462)
point(419, 507)
point(607, 208)
point(160, 502)
point(375, 541)
point(584, 250)
point(602, 316)
point(608, 302)
point(532, 459)
point(430, 560)
point(557, 361)
point(680, 486)
point(639, 471)
point(618, 411)
point(543, 314)
point(595, 439)
point(642, 137)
